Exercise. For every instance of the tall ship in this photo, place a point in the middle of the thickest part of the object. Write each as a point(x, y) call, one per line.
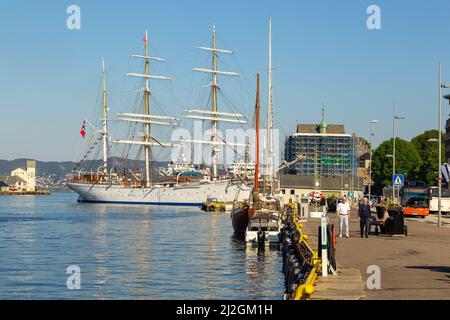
point(178, 184)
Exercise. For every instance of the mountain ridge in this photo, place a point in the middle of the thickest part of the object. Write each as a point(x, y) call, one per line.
point(61, 168)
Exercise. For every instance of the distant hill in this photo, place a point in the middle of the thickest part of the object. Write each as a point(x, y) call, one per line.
point(60, 169)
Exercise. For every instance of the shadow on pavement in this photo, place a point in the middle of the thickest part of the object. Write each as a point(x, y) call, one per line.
point(441, 269)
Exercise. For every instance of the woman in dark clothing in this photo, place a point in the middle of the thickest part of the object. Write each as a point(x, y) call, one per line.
point(364, 217)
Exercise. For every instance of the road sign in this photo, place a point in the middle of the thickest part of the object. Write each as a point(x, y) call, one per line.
point(398, 180)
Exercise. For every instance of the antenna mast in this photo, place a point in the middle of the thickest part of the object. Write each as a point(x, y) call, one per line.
point(269, 146)
point(105, 121)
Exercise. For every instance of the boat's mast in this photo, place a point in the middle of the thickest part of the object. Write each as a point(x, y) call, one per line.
point(214, 116)
point(105, 121)
point(269, 146)
point(257, 107)
point(146, 118)
point(147, 147)
point(214, 86)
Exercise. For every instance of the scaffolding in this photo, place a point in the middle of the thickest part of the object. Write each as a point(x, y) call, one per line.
point(335, 153)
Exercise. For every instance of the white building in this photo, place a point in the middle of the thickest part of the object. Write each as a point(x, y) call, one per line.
point(23, 179)
point(13, 183)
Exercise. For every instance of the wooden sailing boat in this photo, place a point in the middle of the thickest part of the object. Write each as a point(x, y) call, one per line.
point(261, 214)
point(241, 211)
point(244, 211)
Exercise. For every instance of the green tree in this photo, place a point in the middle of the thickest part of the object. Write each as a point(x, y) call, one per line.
point(407, 162)
point(429, 154)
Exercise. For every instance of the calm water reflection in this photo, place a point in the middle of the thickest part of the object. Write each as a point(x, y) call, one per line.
point(129, 252)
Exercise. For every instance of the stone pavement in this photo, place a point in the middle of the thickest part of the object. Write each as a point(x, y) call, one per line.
point(433, 219)
point(412, 267)
point(348, 285)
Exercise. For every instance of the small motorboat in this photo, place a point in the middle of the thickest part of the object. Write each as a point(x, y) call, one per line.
point(263, 229)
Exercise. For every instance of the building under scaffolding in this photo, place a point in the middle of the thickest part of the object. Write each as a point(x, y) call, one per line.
point(329, 152)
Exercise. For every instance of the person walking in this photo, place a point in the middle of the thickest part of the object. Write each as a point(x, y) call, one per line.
point(364, 215)
point(343, 212)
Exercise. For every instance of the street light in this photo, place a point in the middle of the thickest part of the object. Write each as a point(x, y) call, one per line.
point(439, 176)
point(372, 122)
point(440, 85)
point(391, 157)
point(394, 117)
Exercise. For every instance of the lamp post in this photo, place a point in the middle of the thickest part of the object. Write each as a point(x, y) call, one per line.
point(372, 122)
point(393, 191)
point(441, 85)
point(439, 169)
point(394, 118)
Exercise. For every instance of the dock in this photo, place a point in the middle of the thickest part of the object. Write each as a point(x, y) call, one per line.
point(347, 285)
point(25, 193)
point(413, 267)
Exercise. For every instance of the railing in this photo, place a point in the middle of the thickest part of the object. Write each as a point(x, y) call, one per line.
point(301, 263)
point(104, 179)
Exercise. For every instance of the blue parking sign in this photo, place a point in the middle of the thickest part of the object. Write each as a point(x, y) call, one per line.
point(398, 180)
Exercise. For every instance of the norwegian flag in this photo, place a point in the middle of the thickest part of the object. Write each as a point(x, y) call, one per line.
point(145, 38)
point(83, 129)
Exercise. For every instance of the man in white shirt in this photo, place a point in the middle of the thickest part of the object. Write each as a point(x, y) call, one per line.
point(343, 212)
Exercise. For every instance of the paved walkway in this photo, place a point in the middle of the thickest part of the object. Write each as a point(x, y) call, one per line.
point(433, 219)
point(413, 267)
point(347, 285)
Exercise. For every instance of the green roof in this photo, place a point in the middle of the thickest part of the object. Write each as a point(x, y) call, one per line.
point(323, 124)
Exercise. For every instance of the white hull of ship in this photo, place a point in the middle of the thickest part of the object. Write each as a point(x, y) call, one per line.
point(181, 195)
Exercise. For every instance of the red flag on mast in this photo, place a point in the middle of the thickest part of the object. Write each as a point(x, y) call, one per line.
point(83, 129)
point(145, 38)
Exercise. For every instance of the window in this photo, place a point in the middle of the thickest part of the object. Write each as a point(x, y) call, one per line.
point(292, 191)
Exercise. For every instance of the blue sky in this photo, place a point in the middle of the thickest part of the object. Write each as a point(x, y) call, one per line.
point(323, 53)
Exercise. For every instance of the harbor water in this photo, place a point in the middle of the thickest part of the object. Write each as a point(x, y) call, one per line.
point(127, 252)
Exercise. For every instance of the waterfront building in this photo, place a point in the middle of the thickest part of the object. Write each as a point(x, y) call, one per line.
point(328, 150)
point(363, 168)
point(3, 186)
point(447, 141)
point(296, 187)
point(13, 183)
point(21, 179)
point(334, 160)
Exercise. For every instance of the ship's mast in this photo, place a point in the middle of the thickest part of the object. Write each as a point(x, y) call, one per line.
point(213, 116)
point(147, 147)
point(269, 146)
point(214, 86)
point(257, 107)
point(147, 118)
point(105, 121)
